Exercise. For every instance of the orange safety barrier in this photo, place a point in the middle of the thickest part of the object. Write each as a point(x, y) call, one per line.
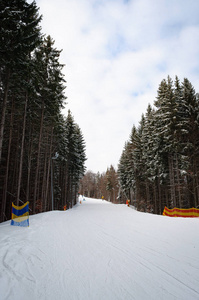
point(180, 212)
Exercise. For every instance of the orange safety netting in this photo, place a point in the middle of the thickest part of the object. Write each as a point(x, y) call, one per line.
point(180, 212)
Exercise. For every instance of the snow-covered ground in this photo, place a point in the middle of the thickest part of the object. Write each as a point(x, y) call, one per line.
point(100, 251)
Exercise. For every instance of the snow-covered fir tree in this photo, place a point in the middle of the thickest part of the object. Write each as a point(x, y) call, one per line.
point(165, 154)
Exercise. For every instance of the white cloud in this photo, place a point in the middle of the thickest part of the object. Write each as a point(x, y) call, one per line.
point(116, 54)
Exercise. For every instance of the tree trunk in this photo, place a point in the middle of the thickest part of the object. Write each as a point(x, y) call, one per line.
point(44, 178)
point(38, 160)
point(22, 149)
point(29, 166)
point(147, 197)
point(3, 115)
point(172, 182)
point(46, 196)
point(159, 195)
point(196, 182)
point(178, 182)
point(3, 208)
point(155, 198)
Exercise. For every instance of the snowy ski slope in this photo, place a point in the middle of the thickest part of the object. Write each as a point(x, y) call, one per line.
point(100, 251)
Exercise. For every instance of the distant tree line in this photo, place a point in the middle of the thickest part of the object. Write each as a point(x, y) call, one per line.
point(42, 153)
point(160, 162)
point(106, 185)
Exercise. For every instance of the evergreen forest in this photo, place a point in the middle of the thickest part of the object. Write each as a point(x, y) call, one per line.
point(160, 162)
point(42, 153)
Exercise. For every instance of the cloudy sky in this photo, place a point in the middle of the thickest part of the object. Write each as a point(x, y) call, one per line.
point(116, 53)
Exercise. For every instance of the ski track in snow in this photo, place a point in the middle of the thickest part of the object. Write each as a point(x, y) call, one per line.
point(100, 251)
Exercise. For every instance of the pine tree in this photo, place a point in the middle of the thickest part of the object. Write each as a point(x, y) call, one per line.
point(49, 95)
point(164, 157)
point(75, 158)
point(19, 35)
point(123, 171)
point(111, 184)
point(190, 140)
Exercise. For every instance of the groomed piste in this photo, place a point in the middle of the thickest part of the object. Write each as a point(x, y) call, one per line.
point(100, 251)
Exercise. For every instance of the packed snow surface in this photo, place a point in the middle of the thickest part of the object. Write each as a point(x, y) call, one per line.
point(100, 251)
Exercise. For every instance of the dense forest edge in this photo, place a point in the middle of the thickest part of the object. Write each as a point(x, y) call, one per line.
point(159, 165)
point(42, 152)
point(162, 154)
